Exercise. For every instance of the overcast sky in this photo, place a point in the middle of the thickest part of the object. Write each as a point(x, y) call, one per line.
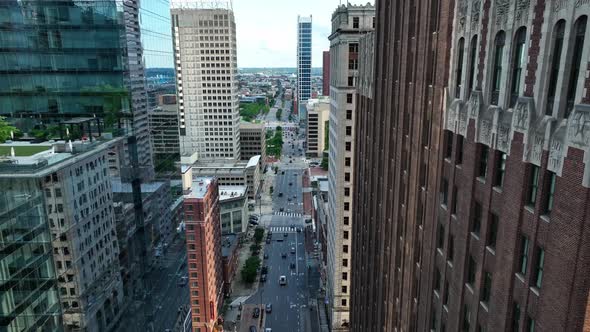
point(267, 30)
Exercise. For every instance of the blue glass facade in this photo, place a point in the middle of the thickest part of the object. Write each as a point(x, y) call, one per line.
point(61, 59)
point(156, 33)
point(303, 64)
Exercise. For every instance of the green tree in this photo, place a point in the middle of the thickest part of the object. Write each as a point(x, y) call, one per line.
point(255, 247)
point(258, 234)
point(6, 129)
point(250, 269)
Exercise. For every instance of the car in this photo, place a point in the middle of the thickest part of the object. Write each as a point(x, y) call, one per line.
point(298, 230)
point(263, 278)
point(265, 256)
point(264, 270)
point(253, 217)
point(252, 329)
point(280, 239)
point(290, 161)
point(285, 234)
point(280, 194)
point(292, 265)
point(290, 183)
point(268, 308)
point(283, 281)
point(307, 221)
point(289, 199)
point(284, 255)
point(256, 313)
point(253, 222)
point(292, 226)
point(282, 209)
point(283, 173)
point(292, 250)
point(267, 240)
point(182, 281)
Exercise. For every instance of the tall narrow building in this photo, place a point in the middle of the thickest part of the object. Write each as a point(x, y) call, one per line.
point(303, 64)
point(398, 125)
point(206, 68)
point(349, 24)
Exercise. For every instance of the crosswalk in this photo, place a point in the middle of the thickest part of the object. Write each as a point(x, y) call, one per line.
point(286, 229)
point(288, 214)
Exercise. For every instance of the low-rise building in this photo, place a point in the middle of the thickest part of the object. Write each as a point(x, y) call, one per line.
point(229, 259)
point(234, 211)
point(253, 141)
point(318, 115)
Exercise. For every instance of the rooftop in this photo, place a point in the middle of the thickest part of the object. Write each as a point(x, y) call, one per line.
point(230, 192)
point(253, 161)
point(199, 187)
point(122, 187)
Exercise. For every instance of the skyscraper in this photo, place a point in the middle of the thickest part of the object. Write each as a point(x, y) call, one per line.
point(203, 241)
point(303, 63)
point(398, 125)
point(207, 88)
point(349, 24)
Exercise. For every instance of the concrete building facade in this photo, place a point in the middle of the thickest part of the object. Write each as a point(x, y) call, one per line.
point(349, 23)
point(163, 122)
point(326, 73)
point(253, 141)
point(234, 209)
point(318, 114)
point(303, 63)
point(207, 88)
point(203, 241)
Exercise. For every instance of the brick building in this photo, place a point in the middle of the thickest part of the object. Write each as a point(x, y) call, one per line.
point(203, 241)
point(504, 244)
point(400, 102)
point(326, 73)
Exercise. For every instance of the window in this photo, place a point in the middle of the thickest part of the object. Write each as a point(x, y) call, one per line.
point(440, 236)
point(483, 161)
point(446, 293)
point(451, 248)
point(518, 60)
point(497, 69)
point(346, 206)
point(550, 190)
point(515, 317)
point(538, 276)
point(344, 275)
point(344, 289)
point(349, 98)
point(448, 144)
point(345, 249)
point(455, 199)
point(459, 150)
point(343, 302)
point(347, 177)
point(353, 64)
point(459, 71)
point(348, 130)
point(471, 269)
point(373, 22)
point(444, 188)
point(350, 81)
point(436, 285)
point(580, 32)
point(533, 185)
point(492, 234)
point(345, 262)
point(558, 32)
point(348, 146)
point(500, 168)
point(476, 219)
point(472, 62)
point(466, 319)
point(346, 191)
point(346, 221)
point(487, 287)
point(347, 161)
point(524, 254)
point(345, 235)
point(349, 114)
point(530, 324)
point(355, 22)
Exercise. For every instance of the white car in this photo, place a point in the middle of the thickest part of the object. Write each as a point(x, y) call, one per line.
point(282, 280)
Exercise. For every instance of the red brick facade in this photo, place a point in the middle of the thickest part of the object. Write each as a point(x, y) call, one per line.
point(326, 73)
point(203, 241)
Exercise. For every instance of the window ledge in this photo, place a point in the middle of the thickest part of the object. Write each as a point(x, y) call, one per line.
point(497, 189)
point(444, 206)
point(546, 218)
point(436, 293)
point(459, 166)
point(535, 290)
point(469, 288)
point(484, 305)
point(454, 217)
point(474, 235)
point(491, 250)
point(439, 250)
point(520, 277)
point(448, 159)
point(481, 179)
point(445, 308)
point(530, 209)
point(450, 264)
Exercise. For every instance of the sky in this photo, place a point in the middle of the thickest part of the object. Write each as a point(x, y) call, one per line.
point(267, 30)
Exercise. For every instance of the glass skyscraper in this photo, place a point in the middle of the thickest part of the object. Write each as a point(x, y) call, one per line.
point(303, 63)
point(156, 33)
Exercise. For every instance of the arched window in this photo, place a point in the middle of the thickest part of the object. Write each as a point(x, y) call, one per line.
point(558, 33)
point(459, 72)
point(472, 62)
point(578, 37)
point(497, 70)
point(518, 61)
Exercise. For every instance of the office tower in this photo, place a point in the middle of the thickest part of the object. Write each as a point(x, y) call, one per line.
point(163, 122)
point(514, 186)
point(77, 59)
point(77, 210)
point(318, 114)
point(303, 63)
point(206, 69)
point(203, 241)
point(398, 125)
point(156, 39)
point(326, 73)
point(253, 141)
point(26, 266)
point(349, 24)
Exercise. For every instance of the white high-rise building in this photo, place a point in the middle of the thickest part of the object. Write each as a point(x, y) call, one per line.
point(206, 67)
point(349, 24)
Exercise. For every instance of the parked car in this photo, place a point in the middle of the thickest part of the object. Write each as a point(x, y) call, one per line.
point(268, 308)
point(267, 240)
point(293, 250)
point(298, 229)
point(280, 194)
point(284, 255)
point(264, 269)
point(285, 234)
point(282, 209)
point(292, 265)
point(256, 313)
point(265, 256)
point(253, 222)
point(290, 183)
point(253, 329)
point(282, 281)
point(263, 278)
